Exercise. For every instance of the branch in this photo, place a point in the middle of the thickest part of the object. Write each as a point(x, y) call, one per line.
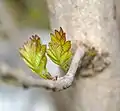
point(56, 85)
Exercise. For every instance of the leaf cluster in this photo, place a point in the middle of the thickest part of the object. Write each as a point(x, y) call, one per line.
point(34, 53)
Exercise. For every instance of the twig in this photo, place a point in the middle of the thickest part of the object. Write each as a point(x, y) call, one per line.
point(56, 85)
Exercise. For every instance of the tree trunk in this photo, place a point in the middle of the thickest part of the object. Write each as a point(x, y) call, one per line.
point(93, 21)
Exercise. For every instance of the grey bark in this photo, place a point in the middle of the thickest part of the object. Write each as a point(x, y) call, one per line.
point(91, 21)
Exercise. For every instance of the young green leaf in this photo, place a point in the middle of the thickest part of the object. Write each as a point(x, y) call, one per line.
point(33, 53)
point(59, 49)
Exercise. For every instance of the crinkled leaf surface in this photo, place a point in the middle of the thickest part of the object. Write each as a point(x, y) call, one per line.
point(33, 53)
point(59, 49)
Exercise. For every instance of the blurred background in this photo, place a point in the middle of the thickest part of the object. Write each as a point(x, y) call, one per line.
point(29, 13)
point(19, 19)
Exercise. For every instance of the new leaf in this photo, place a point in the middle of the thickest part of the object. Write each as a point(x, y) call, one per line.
point(59, 49)
point(33, 53)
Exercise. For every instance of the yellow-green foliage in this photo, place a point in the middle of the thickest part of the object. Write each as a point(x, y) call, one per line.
point(34, 52)
point(59, 49)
